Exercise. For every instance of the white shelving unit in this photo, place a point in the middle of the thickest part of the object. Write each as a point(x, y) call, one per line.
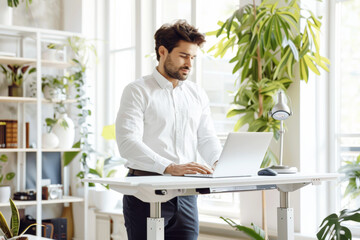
point(37, 37)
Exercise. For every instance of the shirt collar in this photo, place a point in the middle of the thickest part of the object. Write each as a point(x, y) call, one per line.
point(163, 82)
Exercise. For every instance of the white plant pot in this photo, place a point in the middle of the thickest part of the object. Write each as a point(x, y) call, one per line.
point(53, 94)
point(5, 194)
point(5, 13)
point(52, 55)
point(106, 200)
point(49, 140)
point(66, 135)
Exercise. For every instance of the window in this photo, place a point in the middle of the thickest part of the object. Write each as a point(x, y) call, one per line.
point(121, 49)
point(348, 88)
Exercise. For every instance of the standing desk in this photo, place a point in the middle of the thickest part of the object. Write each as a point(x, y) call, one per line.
point(158, 189)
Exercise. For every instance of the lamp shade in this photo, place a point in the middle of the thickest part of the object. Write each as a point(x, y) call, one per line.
point(281, 110)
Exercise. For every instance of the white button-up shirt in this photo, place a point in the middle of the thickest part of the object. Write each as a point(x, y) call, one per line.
point(158, 125)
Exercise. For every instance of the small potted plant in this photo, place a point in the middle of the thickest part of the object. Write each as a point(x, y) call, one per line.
point(54, 88)
point(16, 75)
point(5, 190)
point(52, 52)
point(12, 232)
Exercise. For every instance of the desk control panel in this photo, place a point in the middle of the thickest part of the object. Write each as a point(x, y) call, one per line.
point(235, 189)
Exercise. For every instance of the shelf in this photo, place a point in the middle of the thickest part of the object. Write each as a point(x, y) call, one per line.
point(32, 62)
point(16, 60)
point(31, 32)
point(31, 100)
point(9, 150)
point(56, 64)
point(65, 199)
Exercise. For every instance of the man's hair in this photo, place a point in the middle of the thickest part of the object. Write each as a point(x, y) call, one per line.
point(169, 35)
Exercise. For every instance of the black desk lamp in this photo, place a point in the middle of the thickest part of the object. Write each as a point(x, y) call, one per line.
point(281, 111)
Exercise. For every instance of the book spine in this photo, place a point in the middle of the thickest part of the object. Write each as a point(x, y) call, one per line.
point(2, 134)
point(27, 130)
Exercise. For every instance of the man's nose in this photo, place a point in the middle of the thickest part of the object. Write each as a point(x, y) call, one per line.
point(189, 62)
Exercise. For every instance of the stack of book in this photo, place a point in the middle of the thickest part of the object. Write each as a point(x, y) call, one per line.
point(9, 134)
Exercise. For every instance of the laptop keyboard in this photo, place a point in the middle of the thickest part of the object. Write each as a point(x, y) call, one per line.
point(198, 175)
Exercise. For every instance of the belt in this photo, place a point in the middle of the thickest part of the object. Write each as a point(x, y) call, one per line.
point(137, 172)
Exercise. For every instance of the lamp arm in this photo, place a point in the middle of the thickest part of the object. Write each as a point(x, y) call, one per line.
point(281, 131)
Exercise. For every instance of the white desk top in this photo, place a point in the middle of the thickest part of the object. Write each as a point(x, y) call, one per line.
point(144, 187)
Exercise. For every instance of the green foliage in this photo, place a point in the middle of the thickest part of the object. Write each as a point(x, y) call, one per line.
point(13, 230)
point(55, 82)
point(104, 168)
point(15, 219)
point(351, 171)
point(255, 233)
point(332, 229)
point(268, 45)
point(82, 50)
point(15, 3)
point(16, 73)
point(8, 176)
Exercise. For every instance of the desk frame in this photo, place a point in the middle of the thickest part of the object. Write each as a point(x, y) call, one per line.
point(158, 189)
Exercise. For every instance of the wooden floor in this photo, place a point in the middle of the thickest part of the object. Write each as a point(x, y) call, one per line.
point(209, 237)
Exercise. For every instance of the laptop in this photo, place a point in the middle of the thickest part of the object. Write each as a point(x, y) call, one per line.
point(241, 156)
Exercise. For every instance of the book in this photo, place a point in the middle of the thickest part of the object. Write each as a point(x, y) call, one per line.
point(11, 133)
point(27, 134)
point(2, 134)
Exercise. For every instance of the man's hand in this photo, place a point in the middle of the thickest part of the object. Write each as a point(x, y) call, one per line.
point(188, 168)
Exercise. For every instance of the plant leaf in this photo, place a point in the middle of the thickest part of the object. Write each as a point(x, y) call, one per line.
point(15, 219)
point(5, 227)
point(69, 156)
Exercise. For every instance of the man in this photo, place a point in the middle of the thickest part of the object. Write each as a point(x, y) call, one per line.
point(162, 122)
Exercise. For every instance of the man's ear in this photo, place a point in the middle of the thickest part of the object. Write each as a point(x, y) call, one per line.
point(163, 51)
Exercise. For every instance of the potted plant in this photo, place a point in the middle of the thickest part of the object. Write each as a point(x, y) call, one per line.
point(268, 45)
point(16, 75)
point(49, 139)
point(54, 88)
point(12, 232)
point(5, 190)
point(52, 52)
point(6, 10)
point(268, 42)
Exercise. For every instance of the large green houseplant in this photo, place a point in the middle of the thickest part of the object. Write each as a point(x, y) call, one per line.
point(268, 45)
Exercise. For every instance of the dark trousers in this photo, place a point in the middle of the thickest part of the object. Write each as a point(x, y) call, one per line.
point(180, 218)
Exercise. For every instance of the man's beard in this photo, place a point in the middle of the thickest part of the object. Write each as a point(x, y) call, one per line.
point(172, 72)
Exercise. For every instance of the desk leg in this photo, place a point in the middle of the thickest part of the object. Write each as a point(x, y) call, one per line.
point(285, 218)
point(155, 223)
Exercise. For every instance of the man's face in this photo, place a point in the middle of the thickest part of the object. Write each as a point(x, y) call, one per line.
point(178, 63)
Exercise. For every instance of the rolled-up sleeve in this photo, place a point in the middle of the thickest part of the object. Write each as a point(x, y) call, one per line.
point(130, 129)
point(209, 145)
